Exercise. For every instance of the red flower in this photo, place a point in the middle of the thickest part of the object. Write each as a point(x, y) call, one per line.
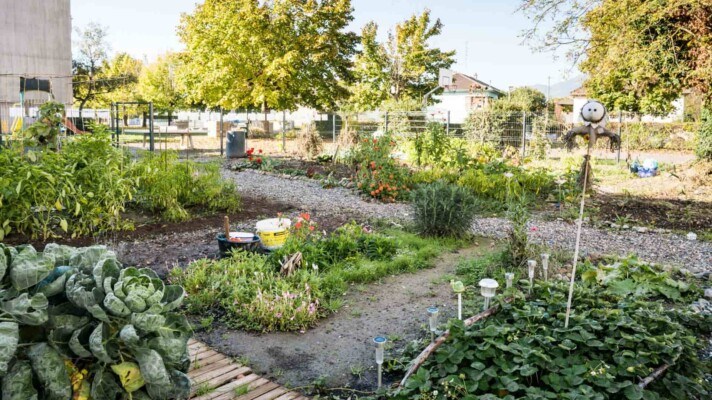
point(311, 227)
point(259, 161)
point(259, 151)
point(305, 216)
point(298, 225)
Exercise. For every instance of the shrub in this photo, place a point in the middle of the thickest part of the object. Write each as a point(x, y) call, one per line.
point(378, 174)
point(443, 209)
point(309, 142)
point(76, 324)
point(169, 186)
point(704, 139)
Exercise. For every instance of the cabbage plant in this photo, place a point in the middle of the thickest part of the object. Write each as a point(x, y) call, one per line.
point(75, 323)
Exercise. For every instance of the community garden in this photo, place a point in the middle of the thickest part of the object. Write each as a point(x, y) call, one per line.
point(456, 254)
point(402, 257)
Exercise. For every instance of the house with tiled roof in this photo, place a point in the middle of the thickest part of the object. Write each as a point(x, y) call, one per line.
point(465, 94)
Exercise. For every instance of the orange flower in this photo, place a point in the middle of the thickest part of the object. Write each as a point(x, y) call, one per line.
point(298, 225)
point(305, 216)
point(311, 227)
point(373, 193)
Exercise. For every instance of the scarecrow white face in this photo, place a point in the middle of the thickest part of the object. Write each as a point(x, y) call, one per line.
point(593, 113)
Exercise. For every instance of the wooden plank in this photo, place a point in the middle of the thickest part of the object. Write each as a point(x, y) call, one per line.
point(197, 364)
point(209, 367)
point(203, 356)
point(253, 394)
point(229, 387)
point(288, 396)
point(218, 372)
point(272, 394)
point(227, 377)
point(252, 386)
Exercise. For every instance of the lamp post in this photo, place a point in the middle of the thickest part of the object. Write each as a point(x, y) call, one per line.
point(488, 288)
point(531, 265)
point(380, 343)
point(545, 265)
point(433, 321)
point(509, 277)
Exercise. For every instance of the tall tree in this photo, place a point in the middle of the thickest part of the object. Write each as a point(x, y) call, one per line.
point(158, 84)
point(640, 55)
point(522, 99)
point(405, 67)
point(123, 71)
point(278, 54)
point(91, 52)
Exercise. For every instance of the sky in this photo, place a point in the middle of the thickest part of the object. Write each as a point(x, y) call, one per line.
point(484, 33)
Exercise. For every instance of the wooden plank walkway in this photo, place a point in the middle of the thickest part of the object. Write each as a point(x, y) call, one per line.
point(216, 377)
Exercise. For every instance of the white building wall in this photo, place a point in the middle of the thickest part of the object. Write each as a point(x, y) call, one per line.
point(458, 104)
point(35, 41)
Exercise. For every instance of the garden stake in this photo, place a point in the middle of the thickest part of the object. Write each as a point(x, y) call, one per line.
point(226, 227)
point(433, 321)
point(459, 306)
point(545, 266)
point(579, 222)
point(380, 343)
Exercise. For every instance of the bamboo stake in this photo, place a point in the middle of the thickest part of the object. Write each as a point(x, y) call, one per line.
point(226, 227)
point(579, 222)
point(653, 376)
point(418, 361)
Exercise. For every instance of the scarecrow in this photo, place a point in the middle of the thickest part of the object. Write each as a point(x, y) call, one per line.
point(594, 117)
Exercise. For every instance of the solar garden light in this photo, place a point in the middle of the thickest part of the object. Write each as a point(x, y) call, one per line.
point(488, 288)
point(509, 277)
point(458, 288)
point(545, 265)
point(433, 320)
point(380, 343)
point(531, 264)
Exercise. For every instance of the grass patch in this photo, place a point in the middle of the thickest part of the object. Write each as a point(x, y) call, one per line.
point(252, 293)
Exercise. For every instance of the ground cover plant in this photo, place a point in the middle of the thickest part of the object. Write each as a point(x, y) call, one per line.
point(76, 324)
point(87, 186)
point(616, 338)
point(252, 291)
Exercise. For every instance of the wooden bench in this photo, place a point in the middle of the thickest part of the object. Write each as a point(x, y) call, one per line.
point(186, 136)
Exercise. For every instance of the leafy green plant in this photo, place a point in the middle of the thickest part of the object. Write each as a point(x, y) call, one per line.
point(74, 322)
point(443, 209)
point(704, 138)
point(524, 351)
point(378, 174)
point(45, 130)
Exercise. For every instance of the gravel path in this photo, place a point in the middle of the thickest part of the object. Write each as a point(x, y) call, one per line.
point(308, 195)
point(668, 249)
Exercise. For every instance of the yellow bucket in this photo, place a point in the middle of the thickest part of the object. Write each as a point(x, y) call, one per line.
point(273, 232)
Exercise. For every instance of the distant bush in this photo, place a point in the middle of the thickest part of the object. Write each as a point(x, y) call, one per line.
point(378, 174)
point(655, 136)
point(309, 142)
point(443, 209)
point(704, 139)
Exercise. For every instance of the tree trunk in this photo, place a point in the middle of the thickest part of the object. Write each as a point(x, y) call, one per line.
point(143, 124)
point(126, 119)
point(170, 116)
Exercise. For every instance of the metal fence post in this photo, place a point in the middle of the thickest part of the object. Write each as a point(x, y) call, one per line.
point(447, 127)
point(620, 132)
point(284, 131)
point(386, 121)
point(524, 134)
point(151, 140)
point(222, 134)
point(333, 127)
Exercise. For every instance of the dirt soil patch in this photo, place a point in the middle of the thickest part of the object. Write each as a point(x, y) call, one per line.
point(682, 215)
point(340, 349)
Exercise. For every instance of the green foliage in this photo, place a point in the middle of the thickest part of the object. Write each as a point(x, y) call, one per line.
point(486, 126)
point(432, 146)
point(516, 251)
point(525, 352)
point(378, 174)
point(405, 67)
point(652, 136)
point(521, 99)
point(251, 293)
point(169, 186)
point(45, 130)
point(81, 190)
point(443, 209)
point(85, 188)
point(158, 84)
point(630, 277)
point(270, 55)
point(704, 140)
point(66, 310)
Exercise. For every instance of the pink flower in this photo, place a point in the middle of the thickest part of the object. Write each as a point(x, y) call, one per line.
point(533, 229)
point(278, 315)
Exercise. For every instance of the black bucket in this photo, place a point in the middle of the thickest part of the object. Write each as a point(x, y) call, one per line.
point(226, 246)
